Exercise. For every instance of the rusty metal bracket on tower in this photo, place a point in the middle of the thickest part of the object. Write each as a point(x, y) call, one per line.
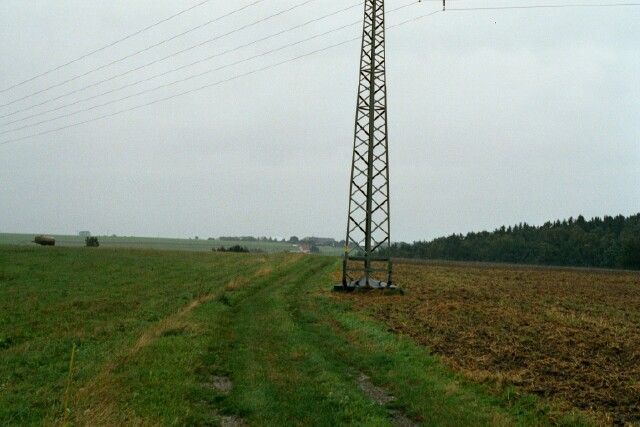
point(367, 260)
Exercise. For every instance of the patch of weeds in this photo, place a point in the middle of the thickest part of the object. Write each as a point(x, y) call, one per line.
point(4, 278)
point(173, 332)
point(224, 299)
point(523, 406)
point(221, 384)
point(202, 289)
point(526, 404)
point(509, 394)
point(187, 296)
point(5, 342)
point(575, 418)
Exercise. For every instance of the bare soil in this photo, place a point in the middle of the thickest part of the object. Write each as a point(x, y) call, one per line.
point(571, 336)
point(382, 397)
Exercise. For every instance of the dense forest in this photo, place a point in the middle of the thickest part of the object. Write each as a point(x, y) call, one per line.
point(610, 242)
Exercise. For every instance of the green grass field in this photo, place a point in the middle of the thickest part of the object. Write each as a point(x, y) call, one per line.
point(161, 243)
point(202, 338)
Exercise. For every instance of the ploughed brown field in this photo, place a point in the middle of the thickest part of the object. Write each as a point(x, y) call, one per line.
point(570, 336)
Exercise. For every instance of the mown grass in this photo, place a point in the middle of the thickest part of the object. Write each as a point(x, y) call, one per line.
point(103, 300)
point(156, 330)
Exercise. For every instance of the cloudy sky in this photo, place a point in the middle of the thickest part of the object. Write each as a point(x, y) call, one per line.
point(496, 116)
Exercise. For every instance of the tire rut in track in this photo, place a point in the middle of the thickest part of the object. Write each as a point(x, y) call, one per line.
point(381, 396)
point(224, 384)
point(377, 394)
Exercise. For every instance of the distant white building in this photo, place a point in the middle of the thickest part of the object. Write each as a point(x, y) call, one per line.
point(305, 249)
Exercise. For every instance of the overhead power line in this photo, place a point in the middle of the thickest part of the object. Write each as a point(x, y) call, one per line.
point(156, 61)
point(217, 38)
point(255, 71)
point(210, 85)
point(137, 52)
point(202, 73)
point(542, 6)
point(191, 77)
point(106, 46)
point(217, 83)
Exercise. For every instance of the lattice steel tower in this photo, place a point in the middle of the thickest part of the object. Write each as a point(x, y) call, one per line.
point(367, 261)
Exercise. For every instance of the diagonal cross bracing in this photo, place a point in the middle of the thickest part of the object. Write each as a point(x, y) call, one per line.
point(368, 229)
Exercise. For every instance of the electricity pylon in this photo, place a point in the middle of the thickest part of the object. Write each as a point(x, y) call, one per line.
point(367, 260)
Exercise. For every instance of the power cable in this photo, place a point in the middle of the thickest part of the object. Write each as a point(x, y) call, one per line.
point(210, 85)
point(171, 56)
point(137, 52)
point(556, 6)
point(106, 46)
point(199, 74)
point(257, 71)
point(181, 93)
point(224, 35)
point(546, 6)
point(193, 76)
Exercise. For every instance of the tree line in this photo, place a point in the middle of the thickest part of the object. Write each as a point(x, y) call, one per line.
point(608, 242)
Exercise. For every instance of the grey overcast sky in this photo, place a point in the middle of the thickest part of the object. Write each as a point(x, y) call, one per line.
point(495, 117)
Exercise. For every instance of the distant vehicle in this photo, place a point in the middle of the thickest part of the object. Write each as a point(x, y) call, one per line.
point(45, 240)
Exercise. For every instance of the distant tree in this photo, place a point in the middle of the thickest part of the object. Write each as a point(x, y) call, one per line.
point(611, 242)
point(235, 248)
point(630, 253)
point(294, 239)
point(314, 250)
point(91, 241)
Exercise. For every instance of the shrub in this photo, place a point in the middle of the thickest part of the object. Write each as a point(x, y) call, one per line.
point(235, 248)
point(91, 241)
point(630, 253)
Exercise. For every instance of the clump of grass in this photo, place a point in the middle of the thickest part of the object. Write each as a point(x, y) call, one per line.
point(5, 342)
point(224, 299)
